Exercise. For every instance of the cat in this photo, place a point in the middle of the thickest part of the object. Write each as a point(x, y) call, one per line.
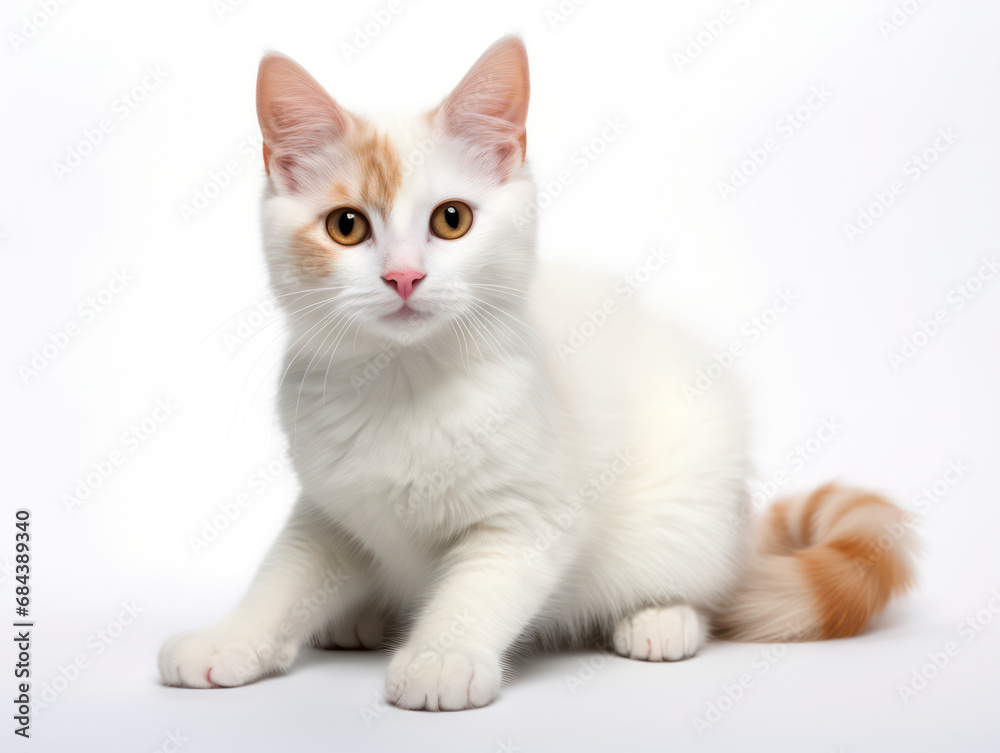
point(464, 478)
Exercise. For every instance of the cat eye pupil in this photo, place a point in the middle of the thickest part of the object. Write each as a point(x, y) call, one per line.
point(451, 217)
point(346, 223)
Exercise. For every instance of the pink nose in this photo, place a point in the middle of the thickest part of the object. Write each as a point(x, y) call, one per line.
point(403, 282)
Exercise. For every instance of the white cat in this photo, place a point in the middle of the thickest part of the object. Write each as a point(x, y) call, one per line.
point(463, 476)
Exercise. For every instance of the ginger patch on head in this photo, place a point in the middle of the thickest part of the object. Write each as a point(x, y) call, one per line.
point(367, 176)
point(380, 172)
point(369, 173)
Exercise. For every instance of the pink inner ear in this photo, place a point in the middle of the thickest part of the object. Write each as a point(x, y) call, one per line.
point(296, 115)
point(489, 107)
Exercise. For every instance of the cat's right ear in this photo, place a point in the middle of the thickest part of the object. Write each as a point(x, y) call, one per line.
point(297, 117)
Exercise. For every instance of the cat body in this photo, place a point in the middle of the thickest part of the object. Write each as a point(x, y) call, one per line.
point(627, 491)
point(468, 474)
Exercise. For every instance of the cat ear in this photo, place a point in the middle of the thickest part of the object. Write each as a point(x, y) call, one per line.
point(489, 106)
point(297, 117)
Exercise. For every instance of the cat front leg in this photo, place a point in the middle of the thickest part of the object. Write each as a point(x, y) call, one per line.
point(662, 633)
point(488, 594)
point(302, 584)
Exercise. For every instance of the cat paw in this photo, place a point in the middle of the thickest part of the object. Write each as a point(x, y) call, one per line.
point(362, 631)
point(449, 681)
point(660, 634)
point(221, 657)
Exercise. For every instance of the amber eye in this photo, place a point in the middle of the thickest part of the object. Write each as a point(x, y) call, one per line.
point(347, 226)
point(451, 220)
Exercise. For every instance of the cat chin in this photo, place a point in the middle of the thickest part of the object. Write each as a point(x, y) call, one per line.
point(407, 326)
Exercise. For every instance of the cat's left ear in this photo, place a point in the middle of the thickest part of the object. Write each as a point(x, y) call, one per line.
point(489, 107)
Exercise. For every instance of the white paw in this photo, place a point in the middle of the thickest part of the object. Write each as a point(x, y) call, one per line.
point(221, 656)
point(660, 634)
point(359, 631)
point(448, 681)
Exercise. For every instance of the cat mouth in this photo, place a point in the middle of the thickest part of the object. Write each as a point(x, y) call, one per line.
point(404, 314)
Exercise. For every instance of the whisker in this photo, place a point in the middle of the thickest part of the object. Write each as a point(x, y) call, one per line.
point(533, 351)
point(302, 382)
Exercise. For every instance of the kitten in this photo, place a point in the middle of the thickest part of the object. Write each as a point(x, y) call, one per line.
point(463, 478)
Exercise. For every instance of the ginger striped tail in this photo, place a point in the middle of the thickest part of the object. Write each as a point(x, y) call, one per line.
point(824, 565)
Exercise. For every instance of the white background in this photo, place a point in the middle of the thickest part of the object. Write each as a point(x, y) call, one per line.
point(170, 335)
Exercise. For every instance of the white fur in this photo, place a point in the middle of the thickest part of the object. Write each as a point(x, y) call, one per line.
point(453, 491)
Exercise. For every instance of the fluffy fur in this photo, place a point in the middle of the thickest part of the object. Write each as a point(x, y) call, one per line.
point(462, 478)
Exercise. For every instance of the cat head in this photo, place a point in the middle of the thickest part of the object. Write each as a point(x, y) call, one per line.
point(398, 227)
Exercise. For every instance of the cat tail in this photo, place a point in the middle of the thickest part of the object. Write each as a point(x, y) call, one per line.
point(824, 564)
